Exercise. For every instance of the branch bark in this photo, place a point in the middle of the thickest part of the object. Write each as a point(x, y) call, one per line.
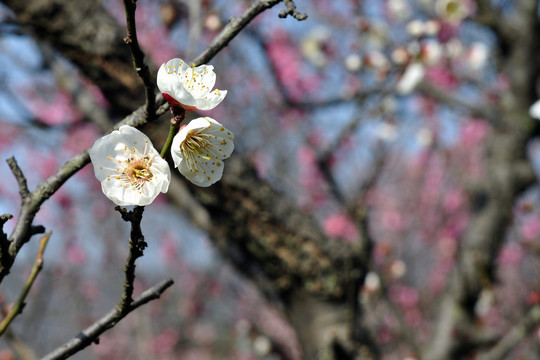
point(92, 333)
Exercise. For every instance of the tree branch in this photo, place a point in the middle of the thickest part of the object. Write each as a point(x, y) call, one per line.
point(136, 247)
point(529, 323)
point(291, 10)
point(235, 25)
point(91, 334)
point(138, 58)
point(19, 305)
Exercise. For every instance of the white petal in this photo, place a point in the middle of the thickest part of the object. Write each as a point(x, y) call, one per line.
point(211, 100)
point(191, 87)
point(534, 110)
point(208, 172)
point(412, 77)
point(109, 155)
point(203, 166)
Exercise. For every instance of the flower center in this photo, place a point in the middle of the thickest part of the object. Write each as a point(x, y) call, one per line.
point(135, 171)
point(194, 147)
point(138, 170)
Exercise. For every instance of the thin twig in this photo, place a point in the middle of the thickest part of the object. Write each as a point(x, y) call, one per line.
point(138, 58)
point(19, 176)
point(91, 334)
point(235, 25)
point(291, 10)
point(19, 305)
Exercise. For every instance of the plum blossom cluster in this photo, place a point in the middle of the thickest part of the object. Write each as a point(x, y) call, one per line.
point(131, 170)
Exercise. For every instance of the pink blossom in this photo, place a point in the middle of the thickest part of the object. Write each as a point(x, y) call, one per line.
point(440, 75)
point(511, 255)
point(405, 296)
point(413, 317)
point(392, 219)
point(80, 138)
point(75, 254)
point(339, 225)
point(168, 248)
point(57, 109)
point(453, 200)
point(311, 179)
point(287, 61)
point(165, 341)
point(90, 290)
point(530, 228)
point(473, 132)
point(261, 161)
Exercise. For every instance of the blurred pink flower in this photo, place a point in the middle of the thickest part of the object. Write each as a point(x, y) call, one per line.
point(168, 248)
point(57, 109)
point(473, 132)
point(530, 228)
point(80, 138)
point(392, 219)
point(314, 194)
point(75, 254)
point(453, 200)
point(287, 61)
point(511, 255)
point(405, 296)
point(165, 341)
point(339, 225)
point(440, 75)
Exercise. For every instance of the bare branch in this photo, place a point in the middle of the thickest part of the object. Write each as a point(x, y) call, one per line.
point(138, 58)
point(291, 10)
point(91, 334)
point(136, 247)
point(19, 305)
point(512, 338)
point(19, 176)
point(235, 25)
point(450, 99)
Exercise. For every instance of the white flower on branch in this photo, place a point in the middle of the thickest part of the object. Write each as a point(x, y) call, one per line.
point(189, 86)
point(198, 150)
point(131, 171)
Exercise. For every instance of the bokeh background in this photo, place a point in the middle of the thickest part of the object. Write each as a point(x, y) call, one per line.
point(401, 118)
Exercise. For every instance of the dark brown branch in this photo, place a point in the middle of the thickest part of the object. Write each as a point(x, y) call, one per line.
point(136, 248)
point(138, 58)
point(91, 334)
point(19, 176)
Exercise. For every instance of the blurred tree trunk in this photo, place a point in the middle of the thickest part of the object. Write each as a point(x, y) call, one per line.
point(508, 174)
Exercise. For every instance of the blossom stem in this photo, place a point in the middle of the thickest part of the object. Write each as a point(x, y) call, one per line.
point(178, 116)
point(19, 305)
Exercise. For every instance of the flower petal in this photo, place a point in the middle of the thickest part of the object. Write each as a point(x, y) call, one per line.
point(190, 87)
point(199, 149)
point(130, 170)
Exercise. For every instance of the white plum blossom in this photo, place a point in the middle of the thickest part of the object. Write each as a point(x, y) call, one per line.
point(189, 86)
point(130, 170)
point(534, 110)
point(412, 76)
point(198, 150)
